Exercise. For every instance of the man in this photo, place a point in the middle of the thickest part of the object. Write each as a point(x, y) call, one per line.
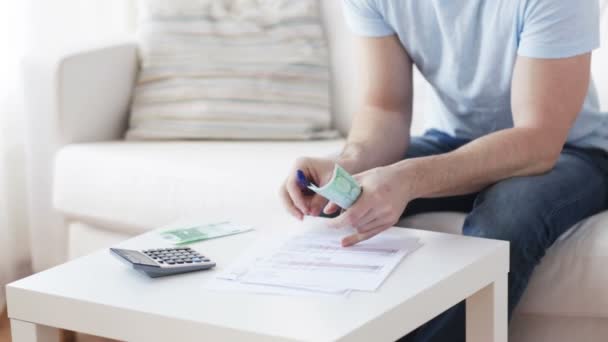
point(518, 139)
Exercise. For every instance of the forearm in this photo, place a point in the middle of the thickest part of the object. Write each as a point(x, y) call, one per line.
point(485, 161)
point(377, 138)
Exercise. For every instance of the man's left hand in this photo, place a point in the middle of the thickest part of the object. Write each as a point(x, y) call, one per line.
point(378, 208)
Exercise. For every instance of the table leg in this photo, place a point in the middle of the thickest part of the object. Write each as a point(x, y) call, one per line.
point(30, 332)
point(487, 313)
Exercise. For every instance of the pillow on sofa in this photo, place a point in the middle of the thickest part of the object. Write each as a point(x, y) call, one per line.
point(231, 69)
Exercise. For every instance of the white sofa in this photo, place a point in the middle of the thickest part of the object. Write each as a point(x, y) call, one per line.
point(90, 189)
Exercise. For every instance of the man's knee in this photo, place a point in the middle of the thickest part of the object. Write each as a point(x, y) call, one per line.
point(504, 212)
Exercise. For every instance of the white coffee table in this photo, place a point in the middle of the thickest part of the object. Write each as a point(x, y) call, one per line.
point(99, 295)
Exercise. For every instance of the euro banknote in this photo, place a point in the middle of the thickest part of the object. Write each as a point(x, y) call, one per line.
point(342, 189)
point(203, 232)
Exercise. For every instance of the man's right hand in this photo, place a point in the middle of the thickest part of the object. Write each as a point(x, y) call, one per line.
point(318, 171)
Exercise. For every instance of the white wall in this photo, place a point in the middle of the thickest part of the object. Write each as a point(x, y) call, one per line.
point(37, 25)
point(62, 22)
point(600, 61)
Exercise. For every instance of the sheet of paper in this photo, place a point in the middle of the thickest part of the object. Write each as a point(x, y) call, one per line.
point(222, 285)
point(315, 261)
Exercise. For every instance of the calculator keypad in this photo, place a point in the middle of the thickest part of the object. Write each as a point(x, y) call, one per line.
point(178, 256)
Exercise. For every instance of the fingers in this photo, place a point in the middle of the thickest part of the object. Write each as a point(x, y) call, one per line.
point(316, 205)
point(351, 217)
point(289, 205)
point(297, 197)
point(368, 221)
point(358, 237)
point(331, 208)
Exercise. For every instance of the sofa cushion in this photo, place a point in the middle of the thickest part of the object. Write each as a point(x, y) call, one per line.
point(136, 186)
point(570, 280)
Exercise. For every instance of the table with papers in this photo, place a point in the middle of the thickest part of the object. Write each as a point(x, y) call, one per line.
point(315, 263)
point(96, 294)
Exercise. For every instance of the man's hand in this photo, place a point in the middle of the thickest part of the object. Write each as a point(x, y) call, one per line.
point(382, 202)
point(380, 129)
point(317, 170)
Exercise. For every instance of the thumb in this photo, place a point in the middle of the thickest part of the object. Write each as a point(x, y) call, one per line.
point(331, 208)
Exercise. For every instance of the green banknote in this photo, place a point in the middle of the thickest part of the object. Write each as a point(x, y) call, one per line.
point(342, 189)
point(203, 232)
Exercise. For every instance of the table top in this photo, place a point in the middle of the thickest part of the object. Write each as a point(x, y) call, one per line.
point(100, 295)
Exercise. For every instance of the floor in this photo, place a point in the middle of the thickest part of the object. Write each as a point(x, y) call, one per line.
point(5, 333)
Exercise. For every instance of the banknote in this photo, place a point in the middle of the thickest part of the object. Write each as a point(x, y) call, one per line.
point(203, 232)
point(342, 189)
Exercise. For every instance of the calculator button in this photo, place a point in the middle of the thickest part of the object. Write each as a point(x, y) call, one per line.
point(196, 260)
point(188, 261)
point(171, 262)
point(206, 260)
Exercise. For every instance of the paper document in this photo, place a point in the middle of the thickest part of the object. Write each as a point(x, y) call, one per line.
point(218, 284)
point(316, 261)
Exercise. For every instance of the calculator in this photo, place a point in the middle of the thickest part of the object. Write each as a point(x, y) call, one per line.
point(162, 262)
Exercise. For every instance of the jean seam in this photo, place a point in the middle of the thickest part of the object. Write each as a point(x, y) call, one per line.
point(547, 217)
point(585, 155)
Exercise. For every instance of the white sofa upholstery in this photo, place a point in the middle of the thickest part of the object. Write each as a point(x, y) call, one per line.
point(90, 189)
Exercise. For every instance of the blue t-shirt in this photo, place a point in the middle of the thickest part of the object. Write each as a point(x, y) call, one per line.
point(467, 49)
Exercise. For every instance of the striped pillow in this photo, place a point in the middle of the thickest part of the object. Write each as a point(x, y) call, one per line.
point(231, 69)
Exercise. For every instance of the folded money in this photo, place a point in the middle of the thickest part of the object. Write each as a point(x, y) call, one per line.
point(203, 232)
point(342, 189)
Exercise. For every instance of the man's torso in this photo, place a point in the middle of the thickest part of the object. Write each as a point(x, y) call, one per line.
point(467, 51)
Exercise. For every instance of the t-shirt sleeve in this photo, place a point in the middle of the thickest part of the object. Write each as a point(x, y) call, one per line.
point(559, 28)
point(364, 18)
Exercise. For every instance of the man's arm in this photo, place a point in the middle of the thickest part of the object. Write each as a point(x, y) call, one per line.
point(380, 131)
point(547, 96)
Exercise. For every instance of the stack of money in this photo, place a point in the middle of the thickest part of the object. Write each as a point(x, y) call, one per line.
point(342, 189)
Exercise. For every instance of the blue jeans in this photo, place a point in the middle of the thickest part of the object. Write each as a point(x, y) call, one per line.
point(529, 212)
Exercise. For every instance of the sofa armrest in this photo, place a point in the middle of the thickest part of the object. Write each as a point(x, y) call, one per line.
point(78, 95)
